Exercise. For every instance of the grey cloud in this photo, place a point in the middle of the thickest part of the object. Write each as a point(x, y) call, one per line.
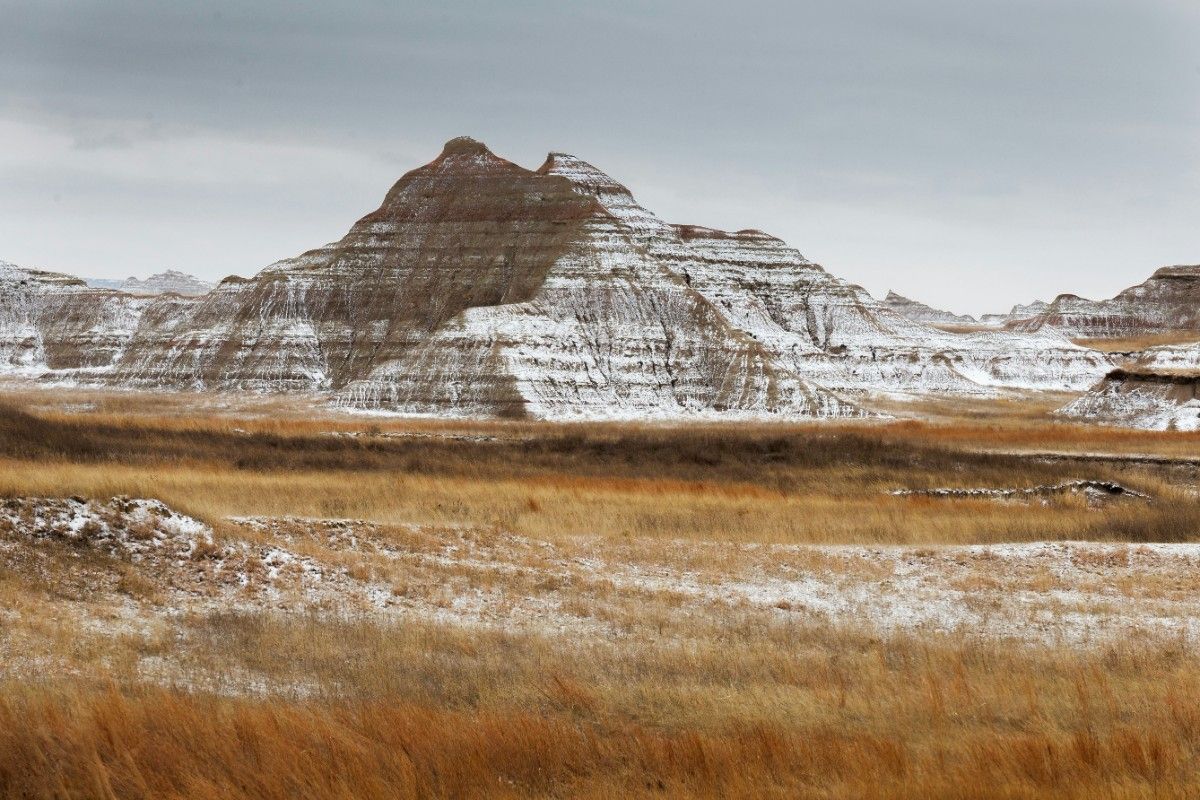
point(910, 145)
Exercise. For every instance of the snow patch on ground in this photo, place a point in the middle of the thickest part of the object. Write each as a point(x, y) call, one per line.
point(1096, 492)
point(1043, 593)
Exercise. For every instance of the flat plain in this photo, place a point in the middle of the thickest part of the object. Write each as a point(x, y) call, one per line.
point(210, 596)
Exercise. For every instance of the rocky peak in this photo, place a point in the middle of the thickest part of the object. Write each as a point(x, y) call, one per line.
point(585, 177)
point(619, 201)
point(1179, 272)
point(468, 183)
point(612, 195)
point(465, 156)
point(466, 146)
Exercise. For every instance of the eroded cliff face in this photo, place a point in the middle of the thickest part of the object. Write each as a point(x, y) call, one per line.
point(477, 287)
point(813, 324)
point(1168, 301)
point(1156, 389)
point(920, 312)
point(481, 288)
point(54, 322)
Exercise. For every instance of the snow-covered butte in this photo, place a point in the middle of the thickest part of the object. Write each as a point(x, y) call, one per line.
point(479, 287)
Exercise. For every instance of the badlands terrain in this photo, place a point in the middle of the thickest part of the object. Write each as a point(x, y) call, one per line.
point(480, 288)
point(518, 490)
point(169, 282)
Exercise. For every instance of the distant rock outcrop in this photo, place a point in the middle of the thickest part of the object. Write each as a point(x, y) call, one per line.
point(1017, 312)
point(169, 282)
point(919, 312)
point(1168, 301)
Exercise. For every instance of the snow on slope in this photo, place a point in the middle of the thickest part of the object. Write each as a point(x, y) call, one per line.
point(1158, 390)
point(609, 334)
point(177, 551)
point(482, 288)
point(1040, 593)
point(920, 312)
point(827, 329)
point(55, 322)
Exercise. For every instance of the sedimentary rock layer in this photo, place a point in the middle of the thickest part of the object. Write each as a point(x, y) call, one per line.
point(1159, 389)
point(53, 322)
point(479, 287)
point(919, 312)
point(1167, 302)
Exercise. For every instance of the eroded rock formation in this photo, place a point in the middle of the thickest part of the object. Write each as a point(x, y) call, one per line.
point(919, 312)
point(170, 282)
point(480, 287)
point(54, 322)
point(1156, 389)
point(1167, 302)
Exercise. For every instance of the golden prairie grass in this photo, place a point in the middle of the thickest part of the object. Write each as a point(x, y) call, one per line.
point(848, 508)
point(1019, 423)
point(679, 703)
point(785, 712)
point(770, 483)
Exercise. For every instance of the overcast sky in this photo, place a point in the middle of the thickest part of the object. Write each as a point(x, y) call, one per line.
point(968, 153)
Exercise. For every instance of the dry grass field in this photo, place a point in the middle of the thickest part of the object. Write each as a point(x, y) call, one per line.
point(1134, 344)
point(374, 607)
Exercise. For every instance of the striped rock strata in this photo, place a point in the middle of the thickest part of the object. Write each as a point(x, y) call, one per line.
point(479, 287)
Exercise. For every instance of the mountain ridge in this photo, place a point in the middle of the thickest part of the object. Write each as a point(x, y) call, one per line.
point(1169, 300)
point(169, 281)
point(479, 287)
point(920, 312)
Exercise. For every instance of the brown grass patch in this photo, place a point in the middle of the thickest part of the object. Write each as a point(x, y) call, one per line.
point(679, 698)
point(743, 483)
point(801, 714)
